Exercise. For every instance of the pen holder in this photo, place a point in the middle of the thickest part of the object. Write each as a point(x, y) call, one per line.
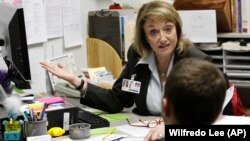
point(36, 128)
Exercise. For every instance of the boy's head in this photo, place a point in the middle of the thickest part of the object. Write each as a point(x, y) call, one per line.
point(194, 93)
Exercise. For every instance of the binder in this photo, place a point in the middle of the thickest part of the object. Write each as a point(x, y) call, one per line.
point(105, 25)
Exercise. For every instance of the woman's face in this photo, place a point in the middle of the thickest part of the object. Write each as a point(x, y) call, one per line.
point(161, 35)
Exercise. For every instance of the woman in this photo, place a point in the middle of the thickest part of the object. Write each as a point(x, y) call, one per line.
point(158, 45)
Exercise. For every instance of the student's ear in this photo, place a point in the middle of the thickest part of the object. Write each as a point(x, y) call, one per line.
point(165, 107)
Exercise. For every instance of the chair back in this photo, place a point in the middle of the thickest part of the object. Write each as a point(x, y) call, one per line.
point(101, 54)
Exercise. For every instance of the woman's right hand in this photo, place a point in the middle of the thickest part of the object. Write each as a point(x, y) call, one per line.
point(62, 72)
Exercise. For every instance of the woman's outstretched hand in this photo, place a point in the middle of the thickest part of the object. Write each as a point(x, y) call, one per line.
point(62, 72)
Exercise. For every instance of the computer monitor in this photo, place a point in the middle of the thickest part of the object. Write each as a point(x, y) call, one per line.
point(13, 45)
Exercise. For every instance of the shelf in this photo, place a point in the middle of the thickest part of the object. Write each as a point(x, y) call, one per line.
point(216, 56)
point(219, 66)
point(244, 67)
point(210, 48)
point(232, 60)
point(238, 75)
point(242, 84)
point(238, 57)
point(234, 35)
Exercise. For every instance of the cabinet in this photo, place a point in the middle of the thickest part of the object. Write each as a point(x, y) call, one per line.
point(235, 63)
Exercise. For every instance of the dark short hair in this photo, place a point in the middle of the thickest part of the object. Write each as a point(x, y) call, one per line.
point(196, 90)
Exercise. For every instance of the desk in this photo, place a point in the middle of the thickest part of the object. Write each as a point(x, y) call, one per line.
point(127, 111)
point(120, 125)
point(133, 118)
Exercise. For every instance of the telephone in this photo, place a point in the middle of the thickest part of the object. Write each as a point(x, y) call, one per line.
point(66, 89)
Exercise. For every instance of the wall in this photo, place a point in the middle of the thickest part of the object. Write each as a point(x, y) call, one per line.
point(86, 6)
point(46, 50)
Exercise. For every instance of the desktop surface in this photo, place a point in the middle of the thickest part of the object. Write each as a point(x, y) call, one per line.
point(122, 127)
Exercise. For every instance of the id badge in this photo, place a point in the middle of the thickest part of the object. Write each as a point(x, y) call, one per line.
point(131, 86)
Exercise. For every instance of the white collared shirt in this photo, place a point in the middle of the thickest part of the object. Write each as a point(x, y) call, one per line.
point(155, 89)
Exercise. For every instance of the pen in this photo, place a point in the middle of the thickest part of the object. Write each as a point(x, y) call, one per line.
point(25, 115)
point(118, 139)
point(109, 133)
point(43, 112)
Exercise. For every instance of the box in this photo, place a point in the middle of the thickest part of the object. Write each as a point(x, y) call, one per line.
point(222, 7)
point(60, 117)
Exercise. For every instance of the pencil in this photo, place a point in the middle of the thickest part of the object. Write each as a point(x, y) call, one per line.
point(111, 131)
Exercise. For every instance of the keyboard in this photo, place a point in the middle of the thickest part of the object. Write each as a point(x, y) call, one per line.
point(94, 120)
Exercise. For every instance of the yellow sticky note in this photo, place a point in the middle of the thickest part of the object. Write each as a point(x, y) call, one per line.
point(36, 105)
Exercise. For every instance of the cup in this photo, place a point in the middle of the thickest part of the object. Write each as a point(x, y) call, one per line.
point(36, 128)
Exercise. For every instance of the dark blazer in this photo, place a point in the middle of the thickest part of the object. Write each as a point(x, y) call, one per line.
point(115, 100)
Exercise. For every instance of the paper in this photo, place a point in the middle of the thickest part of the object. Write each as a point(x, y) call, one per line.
point(94, 71)
point(40, 138)
point(38, 78)
point(112, 137)
point(72, 23)
point(66, 59)
point(55, 106)
point(199, 25)
point(134, 131)
point(232, 120)
point(35, 24)
point(133, 139)
point(52, 48)
point(229, 95)
point(234, 46)
point(53, 11)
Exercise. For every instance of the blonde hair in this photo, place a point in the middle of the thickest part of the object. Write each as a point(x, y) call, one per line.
point(158, 10)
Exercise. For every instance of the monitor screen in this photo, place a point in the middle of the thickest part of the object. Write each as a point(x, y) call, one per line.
point(14, 45)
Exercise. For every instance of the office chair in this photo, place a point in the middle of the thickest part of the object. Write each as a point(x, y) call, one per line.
point(101, 54)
